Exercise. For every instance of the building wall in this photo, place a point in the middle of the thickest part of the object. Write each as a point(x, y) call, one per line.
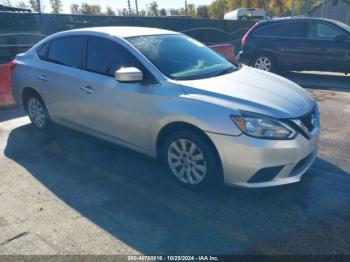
point(333, 9)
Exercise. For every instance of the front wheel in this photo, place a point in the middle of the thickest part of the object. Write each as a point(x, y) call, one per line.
point(191, 160)
point(264, 61)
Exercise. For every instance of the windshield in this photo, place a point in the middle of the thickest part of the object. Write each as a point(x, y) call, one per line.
point(181, 57)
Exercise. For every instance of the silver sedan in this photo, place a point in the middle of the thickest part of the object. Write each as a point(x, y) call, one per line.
point(170, 97)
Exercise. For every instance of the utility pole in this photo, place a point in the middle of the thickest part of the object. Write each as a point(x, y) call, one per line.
point(39, 5)
point(323, 9)
point(265, 9)
point(137, 8)
point(293, 8)
point(129, 7)
point(186, 7)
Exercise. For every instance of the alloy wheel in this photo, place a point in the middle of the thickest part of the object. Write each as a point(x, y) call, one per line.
point(263, 63)
point(187, 161)
point(36, 112)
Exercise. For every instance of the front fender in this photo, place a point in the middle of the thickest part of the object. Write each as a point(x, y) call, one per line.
point(206, 116)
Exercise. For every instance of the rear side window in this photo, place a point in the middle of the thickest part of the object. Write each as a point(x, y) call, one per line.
point(105, 57)
point(67, 51)
point(323, 31)
point(43, 50)
point(290, 29)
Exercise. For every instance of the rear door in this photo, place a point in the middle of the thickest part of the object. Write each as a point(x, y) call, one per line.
point(58, 76)
point(293, 48)
point(286, 40)
point(329, 47)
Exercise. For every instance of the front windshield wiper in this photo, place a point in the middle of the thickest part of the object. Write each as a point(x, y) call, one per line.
point(195, 77)
point(207, 75)
point(226, 71)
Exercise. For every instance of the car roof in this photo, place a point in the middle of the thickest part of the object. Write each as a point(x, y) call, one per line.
point(303, 19)
point(122, 31)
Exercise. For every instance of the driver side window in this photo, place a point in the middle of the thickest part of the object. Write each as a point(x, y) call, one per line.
point(105, 57)
point(323, 31)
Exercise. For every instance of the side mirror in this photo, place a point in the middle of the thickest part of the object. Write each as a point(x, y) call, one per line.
point(340, 38)
point(128, 74)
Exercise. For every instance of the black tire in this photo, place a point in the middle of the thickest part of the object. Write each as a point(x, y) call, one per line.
point(45, 122)
point(269, 58)
point(212, 176)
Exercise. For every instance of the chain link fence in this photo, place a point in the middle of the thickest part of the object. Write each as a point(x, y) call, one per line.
point(15, 43)
point(20, 31)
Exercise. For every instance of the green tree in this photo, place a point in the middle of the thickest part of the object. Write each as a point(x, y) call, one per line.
point(235, 4)
point(143, 12)
point(153, 9)
point(125, 12)
point(191, 10)
point(217, 9)
point(6, 2)
point(162, 12)
point(96, 9)
point(277, 7)
point(274, 7)
point(75, 9)
point(174, 11)
point(182, 11)
point(56, 6)
point(23, 5)
point(303, 7)
point(35, 6)
point(257, 3)
point(109, 11)
point(245, 3)
point(87, 9)
point(202, 11)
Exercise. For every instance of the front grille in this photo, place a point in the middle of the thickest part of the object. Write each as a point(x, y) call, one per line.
point(309, 120)
point(306, 123)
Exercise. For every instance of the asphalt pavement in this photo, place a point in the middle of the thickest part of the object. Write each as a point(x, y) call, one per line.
point(69, 193)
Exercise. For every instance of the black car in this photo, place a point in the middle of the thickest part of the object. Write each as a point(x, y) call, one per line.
point(297, 44)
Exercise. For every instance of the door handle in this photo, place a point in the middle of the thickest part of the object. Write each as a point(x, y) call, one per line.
point(88, 90)
point(42, 77)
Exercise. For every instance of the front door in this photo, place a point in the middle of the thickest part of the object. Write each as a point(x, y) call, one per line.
point(329, 47)
point(116, 110)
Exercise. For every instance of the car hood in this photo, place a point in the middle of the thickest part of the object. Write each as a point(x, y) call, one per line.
point(252, 90)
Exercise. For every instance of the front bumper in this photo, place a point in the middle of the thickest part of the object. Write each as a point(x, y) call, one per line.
point(252, 162)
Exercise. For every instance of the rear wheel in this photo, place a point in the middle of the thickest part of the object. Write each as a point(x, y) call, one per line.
point(37, 112)
point(264, 61)
point(191, 160)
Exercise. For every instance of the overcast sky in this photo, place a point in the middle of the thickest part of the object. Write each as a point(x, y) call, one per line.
point(120, 4)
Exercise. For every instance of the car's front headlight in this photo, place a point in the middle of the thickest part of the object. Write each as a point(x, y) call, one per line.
point(263, 127)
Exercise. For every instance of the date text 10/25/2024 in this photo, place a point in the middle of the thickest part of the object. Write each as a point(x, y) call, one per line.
point(173, 258)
